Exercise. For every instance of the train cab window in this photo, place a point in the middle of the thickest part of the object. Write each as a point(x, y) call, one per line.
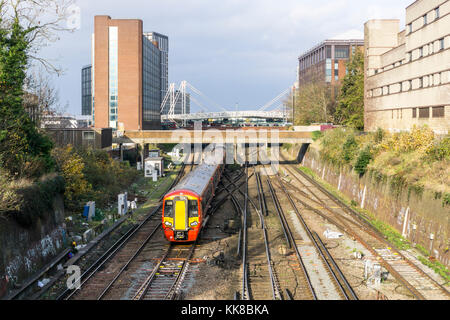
point(193, 208)
point(168, 209)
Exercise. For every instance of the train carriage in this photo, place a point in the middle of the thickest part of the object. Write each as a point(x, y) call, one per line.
point(185, 207)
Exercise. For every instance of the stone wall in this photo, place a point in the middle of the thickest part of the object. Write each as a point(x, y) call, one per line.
point(421, 219)
point(23, 252)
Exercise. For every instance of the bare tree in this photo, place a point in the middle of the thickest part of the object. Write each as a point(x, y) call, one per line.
point(41, 20)
point(41, 98)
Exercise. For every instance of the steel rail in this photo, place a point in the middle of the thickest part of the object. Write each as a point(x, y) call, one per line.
point(276, 290)
point(315, 243)
point(93, 268)
point(344, 280)
point(126, 265)
point(376, 234)
point(292, 240)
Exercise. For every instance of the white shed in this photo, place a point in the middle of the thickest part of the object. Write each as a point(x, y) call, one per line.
point(152, 164)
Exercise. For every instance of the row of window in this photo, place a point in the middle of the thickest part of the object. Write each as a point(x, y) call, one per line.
point(340, 52)
point(428, 49)
point(424, 18)
point(418, 83)
point(421, 113)
point(424, 113)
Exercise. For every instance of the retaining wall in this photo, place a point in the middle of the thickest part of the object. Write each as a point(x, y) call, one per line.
point(422, 219)
point(23, 252)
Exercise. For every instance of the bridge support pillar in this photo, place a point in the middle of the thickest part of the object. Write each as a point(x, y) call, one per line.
point(302, 152)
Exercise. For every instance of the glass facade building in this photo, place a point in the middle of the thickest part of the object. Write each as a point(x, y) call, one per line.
point(163, 46)
point(113, 75)
point(86, 90)
point(151, 83)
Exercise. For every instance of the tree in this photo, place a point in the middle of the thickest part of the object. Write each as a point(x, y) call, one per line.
point(24, 151)
point(312, 104)
point(350, 106)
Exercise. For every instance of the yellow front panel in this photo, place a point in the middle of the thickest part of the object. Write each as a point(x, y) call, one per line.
point(180, 215)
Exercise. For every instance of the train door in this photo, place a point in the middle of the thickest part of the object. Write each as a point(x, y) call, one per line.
point(181, 214)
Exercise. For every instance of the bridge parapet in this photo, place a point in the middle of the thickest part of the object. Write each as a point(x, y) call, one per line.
point(230, 136)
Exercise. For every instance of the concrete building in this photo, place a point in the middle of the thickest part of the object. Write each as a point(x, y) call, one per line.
point(407, 78)
point(86, 90)
point(126, 73)
point(326, 62)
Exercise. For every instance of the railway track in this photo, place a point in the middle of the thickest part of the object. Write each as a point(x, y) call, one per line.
point(164, 283)
point(318, 200)
point(100, 278)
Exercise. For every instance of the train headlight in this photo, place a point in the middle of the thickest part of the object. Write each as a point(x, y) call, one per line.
point(194, 224)
point(168, 224)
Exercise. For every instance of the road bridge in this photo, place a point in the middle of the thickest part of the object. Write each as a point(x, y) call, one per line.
point(231, 136)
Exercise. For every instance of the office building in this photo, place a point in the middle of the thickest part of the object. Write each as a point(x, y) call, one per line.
point(407, 78)
point(86, 90)
point(326, 62)
point(126, 72)
point(162, 42)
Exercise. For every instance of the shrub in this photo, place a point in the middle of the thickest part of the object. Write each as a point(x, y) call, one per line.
point(349, 149)
point(363, 161)
point(440, 150)
point(316, 135)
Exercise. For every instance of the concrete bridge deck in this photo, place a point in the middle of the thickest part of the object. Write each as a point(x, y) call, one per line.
point(257, 135)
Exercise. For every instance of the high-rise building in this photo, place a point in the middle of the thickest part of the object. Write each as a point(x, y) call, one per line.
point(162, 42)
point(407, 78)
point(126, 75)
point(326, 62)
point(86, 90)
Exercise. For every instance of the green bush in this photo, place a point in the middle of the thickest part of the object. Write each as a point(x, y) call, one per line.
point(316, 135)
point(440, 150)
point(349, 149)
point(363, 161)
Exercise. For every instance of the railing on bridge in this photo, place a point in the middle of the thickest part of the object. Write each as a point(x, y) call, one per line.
point(227, 115)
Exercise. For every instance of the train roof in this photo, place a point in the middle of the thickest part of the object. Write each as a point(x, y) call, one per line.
point(196, 180)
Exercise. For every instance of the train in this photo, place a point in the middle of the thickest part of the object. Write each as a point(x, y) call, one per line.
point(185, 206)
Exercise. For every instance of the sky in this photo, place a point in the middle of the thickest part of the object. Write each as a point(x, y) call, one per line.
point(237, 52)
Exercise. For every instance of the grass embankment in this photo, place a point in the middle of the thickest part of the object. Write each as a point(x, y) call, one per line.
point(415, 161)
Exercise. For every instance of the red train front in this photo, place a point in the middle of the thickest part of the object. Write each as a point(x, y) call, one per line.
point(185, 206)
point(182, 215)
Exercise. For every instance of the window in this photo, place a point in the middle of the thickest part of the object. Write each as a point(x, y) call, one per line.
point(88, 135)
point(410, 28)
point(421, 52)
point(441, 44)
point(425, 20)
point(341, 52)
point(424, 112)
point(193, 208)
point(168, 209)
point(436, 13)
point(438, 112)
point(414, 112)
point(328, 52)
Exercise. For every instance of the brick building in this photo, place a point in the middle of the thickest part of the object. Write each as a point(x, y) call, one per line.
point(126, 75)
point(326, 62)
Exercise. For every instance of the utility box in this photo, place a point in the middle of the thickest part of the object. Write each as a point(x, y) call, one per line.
point(154, 165)
point(89, 210)
point(155, 153)
point(123, 204)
